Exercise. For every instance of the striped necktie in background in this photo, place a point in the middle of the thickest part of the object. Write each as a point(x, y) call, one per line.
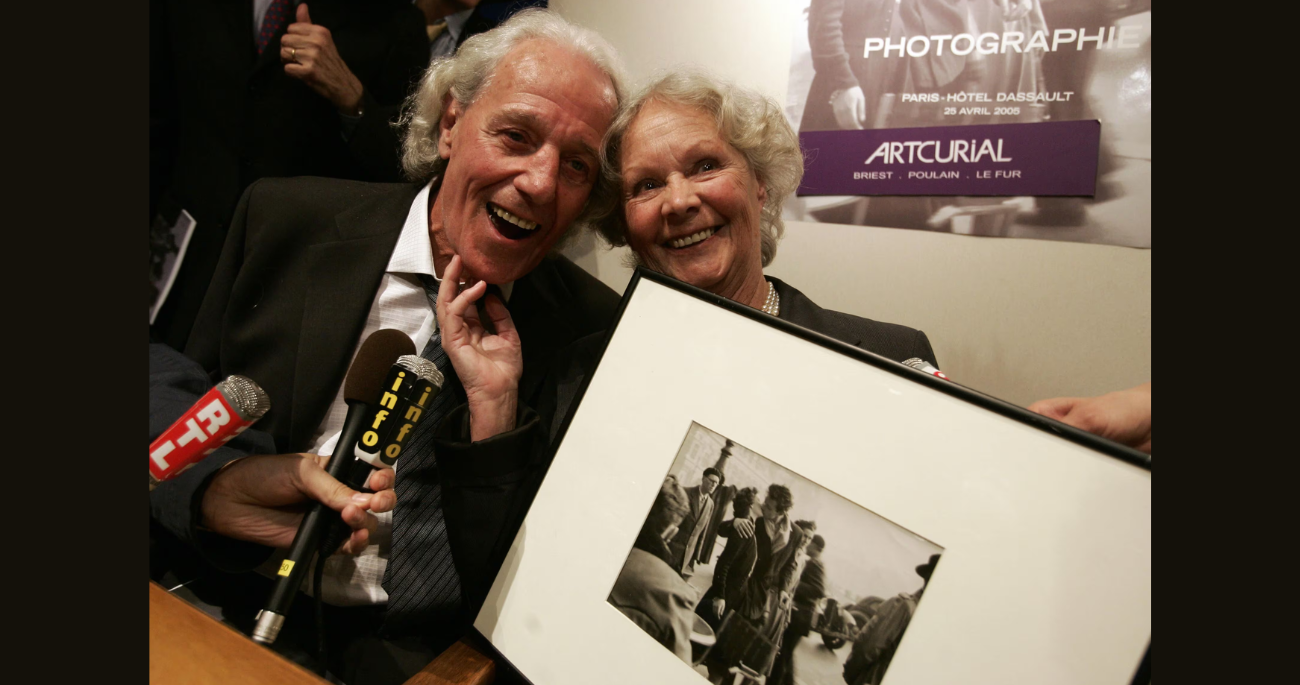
point(421, 579)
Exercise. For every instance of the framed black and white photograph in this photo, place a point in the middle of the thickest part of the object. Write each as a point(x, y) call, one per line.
point(740, 500)
point(752, 563)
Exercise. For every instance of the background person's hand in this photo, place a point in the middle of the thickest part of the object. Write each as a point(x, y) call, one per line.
point(719, 606)
point(308, 54)
point(1123, 416)
point(489, 365)
point(850, 108)
point(262, 499)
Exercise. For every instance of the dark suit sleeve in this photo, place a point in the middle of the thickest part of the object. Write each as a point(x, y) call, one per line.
point(924, 351)
point(375, 143)
point(204, 343)
point(812, 584)
point(175, 384)
point(487, 487)
point(723, 568)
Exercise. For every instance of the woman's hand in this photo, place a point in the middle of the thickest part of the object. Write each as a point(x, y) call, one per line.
point(488, 364)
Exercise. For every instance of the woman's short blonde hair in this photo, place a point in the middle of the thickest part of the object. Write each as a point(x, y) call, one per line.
point(748, 121)
point(465, 75)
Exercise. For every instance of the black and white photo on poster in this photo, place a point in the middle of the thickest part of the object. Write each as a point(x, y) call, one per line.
point(745, 567)
point(881, 64)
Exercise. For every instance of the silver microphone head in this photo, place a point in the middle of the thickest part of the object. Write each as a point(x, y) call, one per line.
point(247, 398)
point(421, 367)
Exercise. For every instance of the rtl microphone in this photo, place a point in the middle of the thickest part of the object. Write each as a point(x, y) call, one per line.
point(222, 413)
point(363, 385)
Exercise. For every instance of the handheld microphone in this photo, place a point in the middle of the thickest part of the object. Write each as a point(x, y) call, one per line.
point(225, 411)
point(363, 384)
point(411, 385)
point(924, 367)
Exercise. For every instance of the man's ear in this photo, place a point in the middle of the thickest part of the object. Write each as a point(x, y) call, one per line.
point(451, 112)
point(762, 196)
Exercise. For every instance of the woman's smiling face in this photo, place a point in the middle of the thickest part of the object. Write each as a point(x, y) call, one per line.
point(691, 202)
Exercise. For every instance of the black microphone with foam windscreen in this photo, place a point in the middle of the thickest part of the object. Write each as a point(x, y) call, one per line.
point(361, 391)
point(408, 390)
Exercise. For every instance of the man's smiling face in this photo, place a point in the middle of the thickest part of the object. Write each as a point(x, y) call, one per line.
point(522, 160)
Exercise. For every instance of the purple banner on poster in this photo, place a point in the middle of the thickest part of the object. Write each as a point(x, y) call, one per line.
point(1045, 158)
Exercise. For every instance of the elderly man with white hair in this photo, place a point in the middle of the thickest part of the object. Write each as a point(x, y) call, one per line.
point(502, 147)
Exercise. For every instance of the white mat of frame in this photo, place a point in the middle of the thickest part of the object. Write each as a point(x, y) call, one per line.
point(1046, 573)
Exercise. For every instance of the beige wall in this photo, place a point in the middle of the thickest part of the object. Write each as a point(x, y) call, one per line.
point(1017, 319)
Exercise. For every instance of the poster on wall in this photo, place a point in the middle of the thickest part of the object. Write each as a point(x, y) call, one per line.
point(1009, 118)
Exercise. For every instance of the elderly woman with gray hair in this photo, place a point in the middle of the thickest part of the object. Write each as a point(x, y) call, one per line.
point(704, 168)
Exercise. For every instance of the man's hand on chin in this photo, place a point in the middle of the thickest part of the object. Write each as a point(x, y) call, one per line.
point(485, 350)
point(262, 499)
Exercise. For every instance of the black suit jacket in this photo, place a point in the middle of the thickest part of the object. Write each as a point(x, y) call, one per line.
point(222, 116)
point(885, 339)
point(287, 306)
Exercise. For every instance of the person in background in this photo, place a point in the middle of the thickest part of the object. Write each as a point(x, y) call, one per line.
point(765, 600)
point(242, 91)
point(1123, 416)
point(445, 24)
point(450, 22)
point(812, 587)
point(878, 640)
point(732, 569)
point(649, 590)
point(685, 544)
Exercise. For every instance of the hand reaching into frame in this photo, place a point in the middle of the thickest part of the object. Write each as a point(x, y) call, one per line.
point(1123, 416)
point(488, 364)
point(308, 54)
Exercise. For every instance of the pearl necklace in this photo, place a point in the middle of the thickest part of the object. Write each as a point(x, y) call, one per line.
point(773, 303)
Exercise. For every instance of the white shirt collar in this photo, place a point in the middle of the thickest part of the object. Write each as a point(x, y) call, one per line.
point(414, 252)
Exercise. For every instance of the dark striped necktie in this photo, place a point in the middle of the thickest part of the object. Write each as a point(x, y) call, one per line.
point(420, 578)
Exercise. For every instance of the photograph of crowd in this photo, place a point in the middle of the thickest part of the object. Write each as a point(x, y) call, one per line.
point(752, 573)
